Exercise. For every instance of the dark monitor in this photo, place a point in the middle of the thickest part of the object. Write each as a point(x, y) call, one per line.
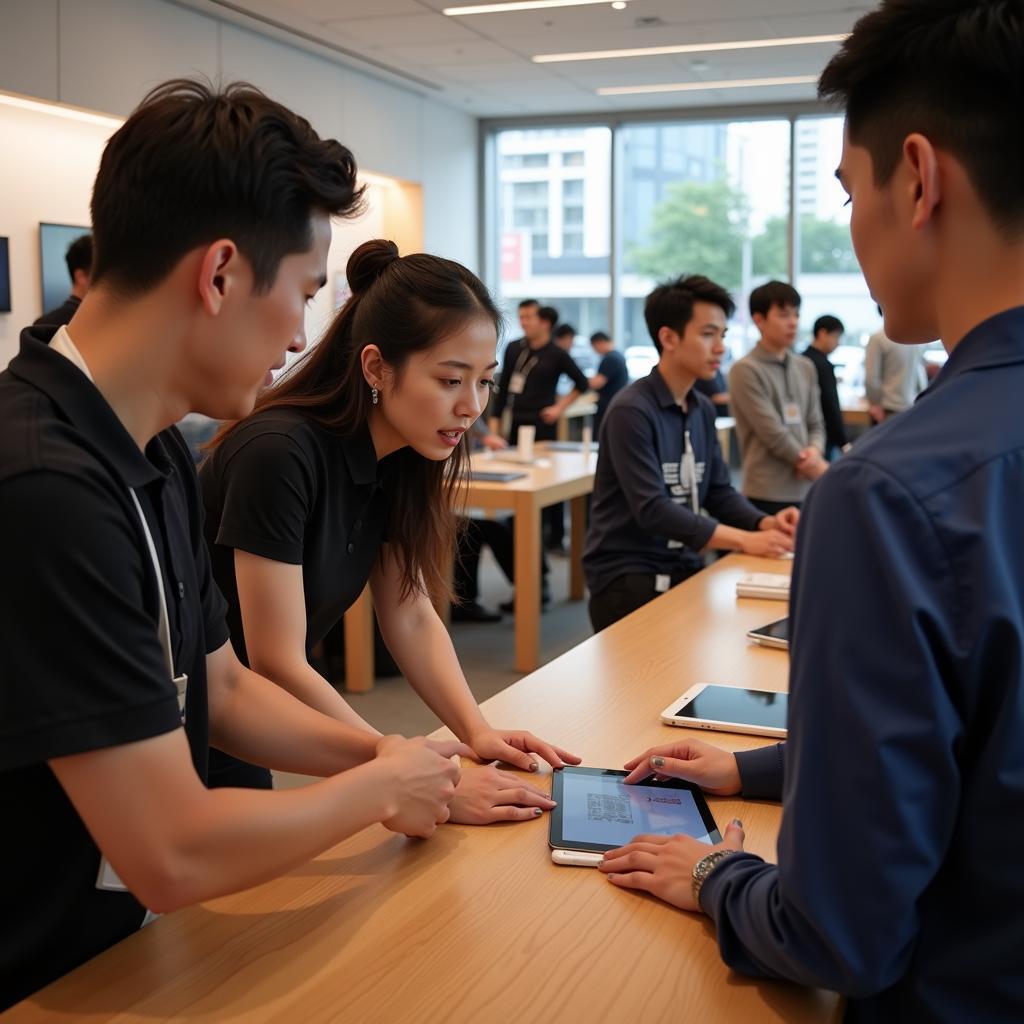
point(5, 276)
point(54, 240)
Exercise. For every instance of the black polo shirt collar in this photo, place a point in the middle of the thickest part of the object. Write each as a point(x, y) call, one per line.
point(361, 456)
point(60, 380)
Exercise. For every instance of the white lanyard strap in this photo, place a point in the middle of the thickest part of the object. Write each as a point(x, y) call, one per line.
point(688, 472)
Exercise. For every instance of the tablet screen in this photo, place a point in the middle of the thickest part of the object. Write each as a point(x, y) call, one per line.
point(743, 707)
point(598, 811)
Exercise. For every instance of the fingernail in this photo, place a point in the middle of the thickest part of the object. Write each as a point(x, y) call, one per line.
point(658, 762)
point(533, 766)
point(737, 822)
point(537, 812)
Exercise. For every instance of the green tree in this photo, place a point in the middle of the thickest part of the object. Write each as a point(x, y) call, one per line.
point(698, 228)
point(826, 247)
point(770, 250)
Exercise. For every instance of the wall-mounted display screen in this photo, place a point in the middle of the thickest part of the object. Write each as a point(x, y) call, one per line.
point(5, 277)
point(54, 240)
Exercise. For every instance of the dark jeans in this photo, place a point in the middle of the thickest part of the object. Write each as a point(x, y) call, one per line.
point(771, 508)
point(228, 771)
point(627, 593)
point(552, 518)
point(498, 536)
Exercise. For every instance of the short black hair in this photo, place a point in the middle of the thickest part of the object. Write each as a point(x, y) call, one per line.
point(598, 336)
point(548, 313)
point(671, 304)
point(773, 293)
point(529, 302)
point(565, 329)
point(79, 256)
point(191, 165)
point(950, 69)
point(828, 323)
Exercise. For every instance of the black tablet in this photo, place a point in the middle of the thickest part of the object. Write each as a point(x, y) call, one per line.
point(597, 812)
point(775, 634)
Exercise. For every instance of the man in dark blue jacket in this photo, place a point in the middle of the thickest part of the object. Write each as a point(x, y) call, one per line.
point(899, 880)
point(660, 466)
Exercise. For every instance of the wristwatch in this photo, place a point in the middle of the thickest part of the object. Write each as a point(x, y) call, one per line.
point(704, 867)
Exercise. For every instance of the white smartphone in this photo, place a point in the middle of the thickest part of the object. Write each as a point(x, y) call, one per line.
point(729, 709)
point(576, 858)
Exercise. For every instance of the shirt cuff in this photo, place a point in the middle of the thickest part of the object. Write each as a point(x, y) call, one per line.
point(761, 772)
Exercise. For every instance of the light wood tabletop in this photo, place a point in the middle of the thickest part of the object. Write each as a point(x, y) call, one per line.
point(556, 476)
point(477, 925)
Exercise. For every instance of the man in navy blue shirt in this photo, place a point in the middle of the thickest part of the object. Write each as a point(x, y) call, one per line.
point(899, 880)
point(611, 377)
point(660, 465)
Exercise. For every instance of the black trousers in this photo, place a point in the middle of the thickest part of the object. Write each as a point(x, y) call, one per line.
point(498, 536)
point(552, 518)
point(627, 593)
point(771, 508)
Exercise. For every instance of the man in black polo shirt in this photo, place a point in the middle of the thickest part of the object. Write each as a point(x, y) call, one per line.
point(79, 261)
point(827, 332)
point(660, 464)
point(211, 220)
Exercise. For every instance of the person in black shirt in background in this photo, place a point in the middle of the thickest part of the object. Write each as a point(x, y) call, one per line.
point(527, 393)
point(565, 337)
point(79, 261)
point(828, 330)
point(611, 377)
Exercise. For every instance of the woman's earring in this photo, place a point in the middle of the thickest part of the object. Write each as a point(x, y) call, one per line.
point(374, 396)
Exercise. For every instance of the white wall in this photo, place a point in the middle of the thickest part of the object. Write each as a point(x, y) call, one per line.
point(106, 54)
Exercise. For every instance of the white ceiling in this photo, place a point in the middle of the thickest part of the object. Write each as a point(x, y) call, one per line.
point(482, 65)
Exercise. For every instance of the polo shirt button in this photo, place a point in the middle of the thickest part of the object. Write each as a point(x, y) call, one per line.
point(181, 589)
point(351, 548)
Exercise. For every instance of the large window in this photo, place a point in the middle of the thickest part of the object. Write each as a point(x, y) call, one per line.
point(691, 196)
point(553, 221)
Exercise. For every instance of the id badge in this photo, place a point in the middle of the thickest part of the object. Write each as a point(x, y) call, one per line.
point(791, 414)
point(662, 583)
point(516, 383)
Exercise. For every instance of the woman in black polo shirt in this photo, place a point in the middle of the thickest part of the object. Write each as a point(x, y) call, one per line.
point(345, 473)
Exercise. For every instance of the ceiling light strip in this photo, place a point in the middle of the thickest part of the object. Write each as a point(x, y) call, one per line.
point(659, 51)
point(516, 5)
point(731, 83)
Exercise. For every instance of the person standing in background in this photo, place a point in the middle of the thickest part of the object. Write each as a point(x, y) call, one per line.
point(565, 337)
point(774, 397)
point(827, 332)
point(79, 261)
point(611, 377)
point(894, 376)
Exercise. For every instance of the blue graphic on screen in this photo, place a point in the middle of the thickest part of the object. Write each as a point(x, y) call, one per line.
point(601, 810)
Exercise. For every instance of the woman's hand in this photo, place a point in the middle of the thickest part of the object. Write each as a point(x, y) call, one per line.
point(517, 748)
point(485, 795)
point(714, 770)
point(663, 865)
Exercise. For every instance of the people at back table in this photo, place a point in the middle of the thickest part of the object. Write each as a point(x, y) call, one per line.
point(660, 467)
point(827, 333)
point(774, 399)
point(899, 878)
point(611, 376)
point(79, 261)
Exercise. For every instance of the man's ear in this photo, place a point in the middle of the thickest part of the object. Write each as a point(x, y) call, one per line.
point(223, 272)
point(668, 339)
point(923, 188)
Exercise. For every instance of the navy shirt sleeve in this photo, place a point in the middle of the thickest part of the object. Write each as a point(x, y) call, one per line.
point(721, 499)
point(762, 771)
point(860, 844)
point(95, 674)
point(630, 439)
point(269, 487)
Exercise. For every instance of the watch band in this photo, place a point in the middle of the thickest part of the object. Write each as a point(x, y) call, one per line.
point(704, 867)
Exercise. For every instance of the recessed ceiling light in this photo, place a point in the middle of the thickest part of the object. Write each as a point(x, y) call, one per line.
point(619, 5)
point(729, 83)
point(522, 5)
point(657, 51)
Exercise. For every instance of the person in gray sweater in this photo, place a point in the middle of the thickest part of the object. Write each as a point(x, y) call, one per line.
point(777, 406)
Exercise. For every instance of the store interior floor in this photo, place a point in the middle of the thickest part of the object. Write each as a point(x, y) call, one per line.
point(486, 652)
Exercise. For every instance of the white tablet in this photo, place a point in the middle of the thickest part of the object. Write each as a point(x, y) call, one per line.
point(729, 709)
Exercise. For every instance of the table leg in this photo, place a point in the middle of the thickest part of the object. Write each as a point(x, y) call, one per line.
point(577, 536)
point(527, 564)
point(358, 622)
